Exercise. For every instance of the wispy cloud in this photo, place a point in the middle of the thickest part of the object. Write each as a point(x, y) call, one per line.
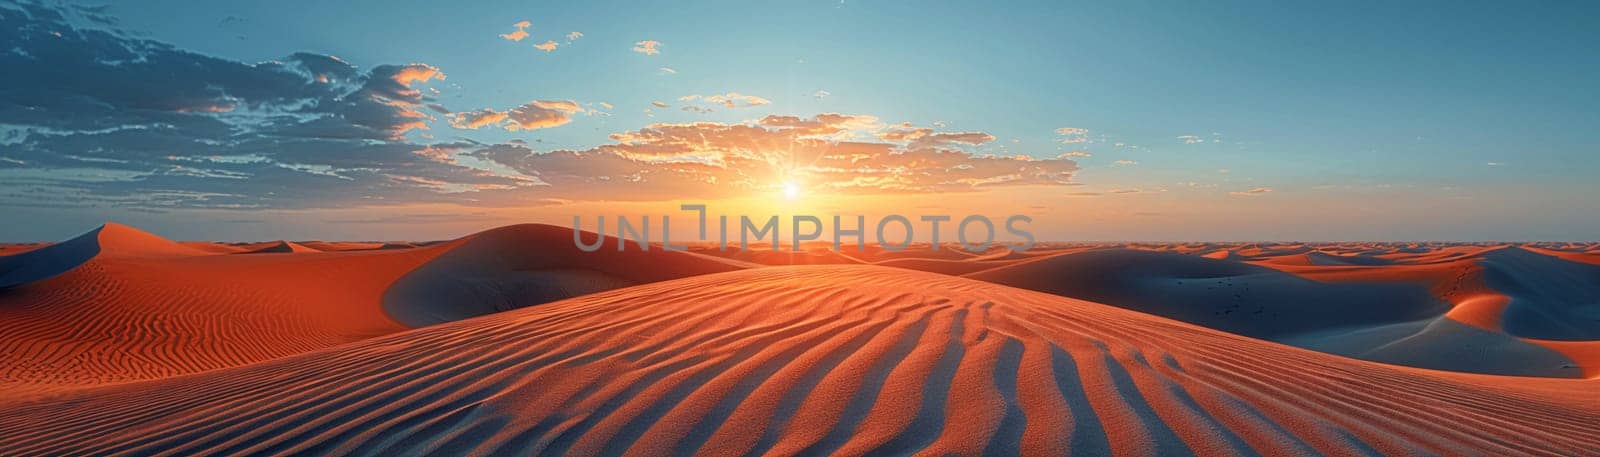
point(667, 71)
point(1256, 192)
point(573, 36)
point(1125, 163)
point(547, 46)
point(1191, 139)
point(647, 47)
point(1072, 135)
point(728, 100)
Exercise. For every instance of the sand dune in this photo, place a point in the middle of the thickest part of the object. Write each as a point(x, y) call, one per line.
point(1448, 315)
point(118, 304)
point(279, 247)
point(523, 265)
point(119, 342)
point(110, 240)
point(844, 360)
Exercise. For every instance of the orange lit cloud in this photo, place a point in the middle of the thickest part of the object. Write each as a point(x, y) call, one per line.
point(547, 46)
point(647, 47)
point(520, 33)
point(538, 114)
point(829, 153)
point(1252, 192)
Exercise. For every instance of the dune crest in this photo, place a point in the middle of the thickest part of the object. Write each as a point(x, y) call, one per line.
point(815, 360)
point(281, 247)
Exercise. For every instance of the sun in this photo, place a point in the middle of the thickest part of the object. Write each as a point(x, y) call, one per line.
point(791, 190)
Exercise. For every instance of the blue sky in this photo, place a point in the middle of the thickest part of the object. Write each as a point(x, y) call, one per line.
point(1452, 101)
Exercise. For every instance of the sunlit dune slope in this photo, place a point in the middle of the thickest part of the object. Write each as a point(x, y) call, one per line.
point(124, 305)
point(846, 360)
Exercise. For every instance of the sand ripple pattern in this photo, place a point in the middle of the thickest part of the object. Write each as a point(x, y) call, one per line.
point(824, 360)
point(118, 319)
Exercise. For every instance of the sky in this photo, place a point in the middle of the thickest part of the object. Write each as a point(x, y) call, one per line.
point(1230, 121)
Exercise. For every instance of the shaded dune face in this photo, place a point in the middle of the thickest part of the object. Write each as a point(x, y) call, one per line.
point(1458, 308)
point(1226, 295)
point(1550, 298)
point(524, 265)
point(845, 360)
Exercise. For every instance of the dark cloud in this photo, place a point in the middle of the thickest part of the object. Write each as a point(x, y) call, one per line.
point(98, 116)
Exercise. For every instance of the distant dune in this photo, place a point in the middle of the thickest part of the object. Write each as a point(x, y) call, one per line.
point(513, 341)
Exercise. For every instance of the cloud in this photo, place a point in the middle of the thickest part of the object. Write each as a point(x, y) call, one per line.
point(820, 94)
point(1123, 191)
point(476, 119)
point(728, 100)
point(1494, 164)
point(1075, 154)
point(1124, 163)
point(573, 36)
point(1072, 135)
point(647, 47)
point(658, 104)
point(1191, 139)
point(547, 46)
point(145, 125)
point(667, 71)
point(1256, 192)
point(534, 115)
point(708, 159)
point(520, 33)
point(921, 137)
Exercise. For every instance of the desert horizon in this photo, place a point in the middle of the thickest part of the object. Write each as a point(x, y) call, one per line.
point(801, 228)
